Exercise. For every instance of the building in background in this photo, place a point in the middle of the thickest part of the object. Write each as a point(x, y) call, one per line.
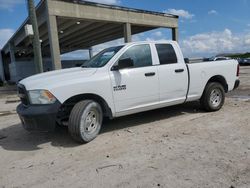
point(66, 26)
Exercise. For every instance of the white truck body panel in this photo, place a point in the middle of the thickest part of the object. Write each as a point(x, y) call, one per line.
point(141, 93)
point(199, 77)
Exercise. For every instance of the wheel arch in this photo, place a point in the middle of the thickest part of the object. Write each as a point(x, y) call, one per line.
point(220, 79)
point(68, 105)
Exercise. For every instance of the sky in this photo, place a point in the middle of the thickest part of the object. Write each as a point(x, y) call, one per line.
point(206, 28)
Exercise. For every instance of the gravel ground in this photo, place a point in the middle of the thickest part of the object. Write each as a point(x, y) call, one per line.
point(180, 146)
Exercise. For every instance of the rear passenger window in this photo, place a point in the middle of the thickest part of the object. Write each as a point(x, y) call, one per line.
point(166, 54)
point(140, 54)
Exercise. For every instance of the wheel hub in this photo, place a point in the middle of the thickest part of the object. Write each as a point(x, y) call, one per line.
point(215, 97)
point(91, 122)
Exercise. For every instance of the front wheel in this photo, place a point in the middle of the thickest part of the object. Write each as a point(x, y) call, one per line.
point(213, 97)
point(85, 121)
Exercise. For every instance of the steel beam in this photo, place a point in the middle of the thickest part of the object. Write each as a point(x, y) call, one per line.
point(79, 35)
point(69, 33)
point(62, 26)
point(91, 36)
point(93, 40)
point(108, 37)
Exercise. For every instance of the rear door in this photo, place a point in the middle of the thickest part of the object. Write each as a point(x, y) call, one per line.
point(173, 75)
point(136, 87)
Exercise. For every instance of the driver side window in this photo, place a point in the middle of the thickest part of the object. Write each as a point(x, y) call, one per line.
point(140, 54)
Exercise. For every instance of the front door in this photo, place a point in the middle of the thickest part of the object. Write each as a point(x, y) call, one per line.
point(135, 88)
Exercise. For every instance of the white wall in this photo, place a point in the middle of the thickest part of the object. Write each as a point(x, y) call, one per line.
point(25, 68)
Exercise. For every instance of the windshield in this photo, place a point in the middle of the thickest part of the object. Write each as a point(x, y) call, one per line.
point(102, 58)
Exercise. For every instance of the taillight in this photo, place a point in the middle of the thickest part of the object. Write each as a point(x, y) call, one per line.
point(238, 70)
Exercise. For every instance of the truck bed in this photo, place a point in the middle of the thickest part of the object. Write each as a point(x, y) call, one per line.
point(199, 60)
point(201, 71)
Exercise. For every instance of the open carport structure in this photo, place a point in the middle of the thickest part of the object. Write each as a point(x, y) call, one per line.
point(69, 25)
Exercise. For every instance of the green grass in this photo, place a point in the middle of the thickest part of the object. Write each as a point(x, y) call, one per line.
point(246, 55)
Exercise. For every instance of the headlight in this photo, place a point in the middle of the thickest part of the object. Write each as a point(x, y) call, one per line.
point(41, 97)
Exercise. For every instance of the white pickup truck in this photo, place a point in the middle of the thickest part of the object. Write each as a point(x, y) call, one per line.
point(122, 80)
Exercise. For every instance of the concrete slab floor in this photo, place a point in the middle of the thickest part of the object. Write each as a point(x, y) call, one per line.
point(180, 146)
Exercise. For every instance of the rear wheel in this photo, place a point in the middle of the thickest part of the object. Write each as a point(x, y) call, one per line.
point(85, 121)
point(213, 97)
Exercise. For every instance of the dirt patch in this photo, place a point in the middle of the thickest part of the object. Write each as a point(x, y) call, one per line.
point(180, 146)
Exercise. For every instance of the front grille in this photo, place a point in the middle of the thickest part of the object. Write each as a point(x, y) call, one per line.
point(22, 93)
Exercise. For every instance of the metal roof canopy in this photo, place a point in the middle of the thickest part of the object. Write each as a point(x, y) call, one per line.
point(66, 26)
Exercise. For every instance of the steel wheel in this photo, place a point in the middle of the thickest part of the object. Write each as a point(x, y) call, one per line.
point(85, 121)
point(216, 97)
point(213, 97)
point(89, 123)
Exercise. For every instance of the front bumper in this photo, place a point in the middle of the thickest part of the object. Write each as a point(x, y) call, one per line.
point(40, 118)
point(236, 84)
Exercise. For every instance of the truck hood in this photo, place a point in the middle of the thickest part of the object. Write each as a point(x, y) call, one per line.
point(52, 78)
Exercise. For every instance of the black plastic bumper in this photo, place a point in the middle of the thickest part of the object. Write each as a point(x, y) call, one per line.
point(236, 84)
point(38, 117)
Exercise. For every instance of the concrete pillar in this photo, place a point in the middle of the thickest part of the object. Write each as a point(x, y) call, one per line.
point(12, 65)
point(54, 42)
point(1, 68)
point(175, 35)
point(12, 53)
point(90, 52)
point(127, 33)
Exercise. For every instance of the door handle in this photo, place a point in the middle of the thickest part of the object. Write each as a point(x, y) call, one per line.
point(150, 74)
point(179, 70)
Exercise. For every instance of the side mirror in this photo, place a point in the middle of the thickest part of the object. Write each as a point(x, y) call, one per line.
point(123, 63)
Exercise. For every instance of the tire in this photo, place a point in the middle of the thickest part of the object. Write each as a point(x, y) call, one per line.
point(213, 97)
point(85, 121)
